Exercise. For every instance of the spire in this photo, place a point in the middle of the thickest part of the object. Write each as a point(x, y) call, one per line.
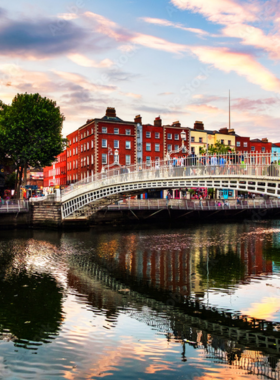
point(229, 111)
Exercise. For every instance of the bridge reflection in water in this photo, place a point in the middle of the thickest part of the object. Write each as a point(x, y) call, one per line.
point(164, 280)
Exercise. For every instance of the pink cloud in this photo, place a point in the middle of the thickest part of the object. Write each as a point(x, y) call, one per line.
point(163, 22)
point(82, 60)
point(220, 11)
point(258, 105)
point(241, 63)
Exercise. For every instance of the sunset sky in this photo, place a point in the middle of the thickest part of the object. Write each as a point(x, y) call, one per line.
point(177, 59)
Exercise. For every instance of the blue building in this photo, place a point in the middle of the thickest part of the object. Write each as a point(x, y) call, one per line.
point(275, 152)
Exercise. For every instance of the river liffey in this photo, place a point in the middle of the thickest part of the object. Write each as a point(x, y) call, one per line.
point(200, 302)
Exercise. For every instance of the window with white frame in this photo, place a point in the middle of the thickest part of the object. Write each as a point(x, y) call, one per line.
point(245, 144)
point(85, 147)
point(116, 144)
point(200, 139)
point(77, 164)
point(92, 159)
point(87, 132)
point(176, 147)
point(82, 162)
point(176, 136)
point(77, 150)
point(88, 146)
point(91, 130)
point(74, 166)
point(87, 160)
point(148, 147)
point(74, 152)
point(237, 143)
point(169, 136)
point(104, 143)
point(116, 131)
point(70, 153)
point(104, 129)
point(157, 147)
point(128, 132)
point(157, 135)
point(104, 158)
point(82, 148)
point(192, 139)
point(128, 145)
point(252, 148)
point(91, 144)
point(127, 159)
point(148, 160)
point(169, 147)
point(148, 135)
point(263, 149)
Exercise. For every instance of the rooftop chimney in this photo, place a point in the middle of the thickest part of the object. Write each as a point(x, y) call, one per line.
point(265, 140)
point(138, 119)
point(110, 112)
point(157, 122)
point(224, 131)
point(199, 125)
point(176, 124)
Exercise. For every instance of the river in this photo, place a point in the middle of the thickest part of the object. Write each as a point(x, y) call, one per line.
point(140, 303)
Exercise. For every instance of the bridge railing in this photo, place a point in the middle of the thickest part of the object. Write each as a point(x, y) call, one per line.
point(12, 205)
point(230, 164)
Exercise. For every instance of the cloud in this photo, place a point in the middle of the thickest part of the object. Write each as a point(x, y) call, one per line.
point(166, 93)
point(67, 16)
point(113, 30)
point(221, 11)
point(204, 108)
point(82, 60)
point(131, 95)
point(241, 63)
point(163, 22)
point(39, 38)
point(243, 104)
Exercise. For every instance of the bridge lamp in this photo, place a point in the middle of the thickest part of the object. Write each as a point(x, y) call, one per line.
point(116, 153)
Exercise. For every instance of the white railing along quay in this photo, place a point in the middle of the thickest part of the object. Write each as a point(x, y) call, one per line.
point(11, 206)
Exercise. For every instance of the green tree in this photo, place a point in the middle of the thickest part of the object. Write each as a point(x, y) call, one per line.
point(218, 148)
point(30, 133)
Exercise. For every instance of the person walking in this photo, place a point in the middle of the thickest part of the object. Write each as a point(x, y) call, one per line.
point(157, 170)
point(214, 163)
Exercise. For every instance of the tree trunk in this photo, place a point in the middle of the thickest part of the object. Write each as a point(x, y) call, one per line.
point(24, 183)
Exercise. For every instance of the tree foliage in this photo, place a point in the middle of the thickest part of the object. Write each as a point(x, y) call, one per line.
point(30, 132)
point(218, 148)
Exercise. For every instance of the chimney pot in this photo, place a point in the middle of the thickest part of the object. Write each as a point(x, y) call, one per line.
point(157, 122)
point(138, 119)
point(199, 125)
point(110, 112)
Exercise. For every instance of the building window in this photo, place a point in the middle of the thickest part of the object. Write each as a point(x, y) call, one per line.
point(157, 135)
point(85, 147)
point(104, 158)
point(169, 147)
point(245, 144)
point(116, 144)
point(157, 148)
point(222, 141)
point(200, 139)
point(74, 152)
point(252, 148)
point(138, 133)
point(128, 132)
point(127, 159)
point(82, 162)
point(116, 131)
point(176, 147)
point(192, 149)
point(127, 145)
point(87, 132)
point(104, 143)
point(82, 148)
point(73, 164)
point(104, 129)
point(92, 159)
point(169, 136)
point(263, 149)
point(148, 147)
point(148, 160)
point(176, 136)
point(77, 164)
point(87, 160)
point(192, 139)
point(70, 166)
point(229, 142)
point(237, 143)
point(91, 144)
point(88, 146)
point(91, 130)
point(148, 135)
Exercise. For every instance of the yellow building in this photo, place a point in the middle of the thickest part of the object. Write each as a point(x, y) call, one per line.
point(202, 138)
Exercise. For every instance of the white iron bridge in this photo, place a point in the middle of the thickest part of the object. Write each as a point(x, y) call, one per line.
point(255, 173)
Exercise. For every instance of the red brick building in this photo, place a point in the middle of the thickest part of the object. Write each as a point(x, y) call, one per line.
point(152, 141)
point(172, 139)
point(260, 146)
point(55, 175)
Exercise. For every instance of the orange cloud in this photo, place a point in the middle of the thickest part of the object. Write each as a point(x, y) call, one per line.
point(241, 63)
point(204, 108)
point(86, 62)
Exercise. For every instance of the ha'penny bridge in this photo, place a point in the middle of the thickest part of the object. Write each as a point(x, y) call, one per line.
point(186, 318)
point(255, 173)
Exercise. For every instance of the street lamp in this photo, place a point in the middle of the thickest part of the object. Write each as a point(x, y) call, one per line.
point(116, 156)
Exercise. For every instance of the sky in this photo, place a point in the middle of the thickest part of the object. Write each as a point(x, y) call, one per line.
point(176, 59)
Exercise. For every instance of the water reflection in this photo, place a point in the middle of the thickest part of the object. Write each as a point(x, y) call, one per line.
point(140, 304)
